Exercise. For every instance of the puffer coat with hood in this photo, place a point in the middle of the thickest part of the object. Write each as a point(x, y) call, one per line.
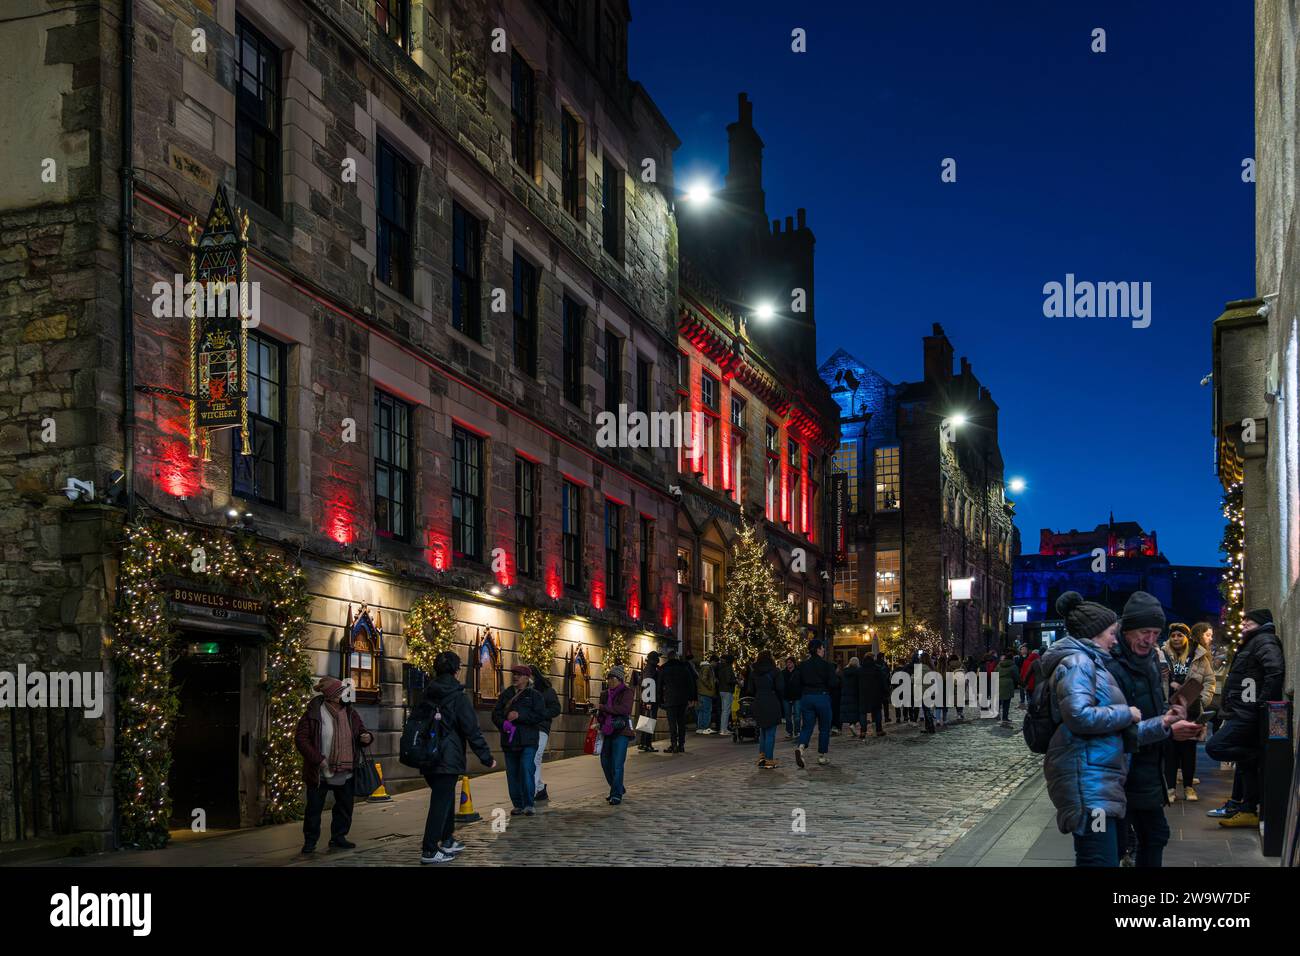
point(1086, 767)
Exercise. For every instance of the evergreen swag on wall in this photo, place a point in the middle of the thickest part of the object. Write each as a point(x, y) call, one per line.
point(537, 639)
point(144, 651)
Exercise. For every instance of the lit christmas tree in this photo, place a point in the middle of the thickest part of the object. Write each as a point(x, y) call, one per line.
point(755, 614)
point(1233, 546)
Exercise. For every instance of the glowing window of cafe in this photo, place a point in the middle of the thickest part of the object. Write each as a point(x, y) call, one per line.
point(846, 578)
point(889, 590)
point(887, 479)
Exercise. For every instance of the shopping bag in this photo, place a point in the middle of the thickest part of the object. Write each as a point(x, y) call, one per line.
point(600, 744)
point(645, 725)
point(365, 778)
point(592, 744)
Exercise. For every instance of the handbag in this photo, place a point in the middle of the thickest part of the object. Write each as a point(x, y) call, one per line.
point(592, 744)
point(646, 725)
point(365, 778)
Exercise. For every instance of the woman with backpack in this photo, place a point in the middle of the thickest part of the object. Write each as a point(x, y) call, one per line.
point(451, 718)
point(614, 720)
point(519, 713)
point(1086, 766)
point(767, 687)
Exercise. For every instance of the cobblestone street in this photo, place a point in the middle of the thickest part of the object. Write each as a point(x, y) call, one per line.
point(900, 800)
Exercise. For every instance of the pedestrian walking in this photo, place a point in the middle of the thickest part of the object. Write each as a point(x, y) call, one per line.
point(1029, 675)
point(1259, 665)
point(648, 702)
point(927, 712)
point(726, 673)
point(874, 690)
point(678, 684)
point(519, 713)
point(706, 688)
point(1135, 667)
point(447, 712)
point(817, 679)
point(851, 696)
point(551, 705)
point(1008, 678)
point(766, 685)
point(329, 736)
point(790, 698)
point(1085, 766)
point(836, 691)
point(941, 708)
point(614, 720)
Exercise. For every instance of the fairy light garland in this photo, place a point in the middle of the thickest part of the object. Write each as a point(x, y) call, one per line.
point(430, 629)
point(619, 653)
point(1233, 583)
point(144, 651)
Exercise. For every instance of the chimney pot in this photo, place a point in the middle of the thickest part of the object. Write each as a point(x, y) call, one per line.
point(803, 218)
point(789, 223)
point(776, 227)
point(746, 110)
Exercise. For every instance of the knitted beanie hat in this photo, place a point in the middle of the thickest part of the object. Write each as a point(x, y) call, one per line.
point(1261, 616)
point(1142, 610)
point(1083, 619)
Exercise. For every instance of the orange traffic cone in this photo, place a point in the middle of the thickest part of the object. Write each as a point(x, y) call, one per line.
point(466, 812)
point(380, 795)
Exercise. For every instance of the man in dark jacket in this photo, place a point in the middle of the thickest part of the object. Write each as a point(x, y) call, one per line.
point(790, 679)
point(451, 716)
point(551, 700)
point(329, 736)
point(519, 713)
point(817, 679)
point(678, 684)
point(1256, 677)
point(1134, 666)
point(874, 690)
point(726, 674)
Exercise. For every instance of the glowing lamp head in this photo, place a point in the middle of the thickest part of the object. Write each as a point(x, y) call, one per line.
point(765, 311)
point(699, 193)
point(958, 419)
point(1017, 485)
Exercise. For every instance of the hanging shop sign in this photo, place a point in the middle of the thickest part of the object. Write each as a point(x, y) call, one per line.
point(217, 306)
point(839, 511)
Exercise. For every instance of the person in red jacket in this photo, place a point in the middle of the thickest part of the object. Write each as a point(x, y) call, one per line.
point(1027, 675)
point(329, 736)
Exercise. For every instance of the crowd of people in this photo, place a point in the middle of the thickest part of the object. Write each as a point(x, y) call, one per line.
point(1128, 714)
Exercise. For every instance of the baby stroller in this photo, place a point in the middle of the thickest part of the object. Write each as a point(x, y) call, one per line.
point(745, 727)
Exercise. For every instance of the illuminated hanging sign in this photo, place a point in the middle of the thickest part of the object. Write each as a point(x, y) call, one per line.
point(217, 307)
point(961, 588)
point(839, 511)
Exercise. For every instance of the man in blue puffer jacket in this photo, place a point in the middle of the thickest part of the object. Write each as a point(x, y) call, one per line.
point(1086, 766)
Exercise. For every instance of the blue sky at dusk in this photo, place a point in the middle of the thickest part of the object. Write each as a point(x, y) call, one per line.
point(1122, 166)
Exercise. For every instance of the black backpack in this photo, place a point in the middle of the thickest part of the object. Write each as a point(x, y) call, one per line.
point(1039, 724)
point(419, 747)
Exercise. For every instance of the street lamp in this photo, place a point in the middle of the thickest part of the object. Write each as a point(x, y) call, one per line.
point(699, 193)
point(1017, 485)
point(765, 311)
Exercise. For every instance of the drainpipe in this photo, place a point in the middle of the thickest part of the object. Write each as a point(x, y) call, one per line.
point(126, 226)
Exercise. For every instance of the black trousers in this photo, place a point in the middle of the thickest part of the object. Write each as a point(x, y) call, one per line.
point(1180, 755)
point(340, 818)
point(440, 824)
point(1146, 832)
point(1238, 740)
point(876, 716)
point(676, 725)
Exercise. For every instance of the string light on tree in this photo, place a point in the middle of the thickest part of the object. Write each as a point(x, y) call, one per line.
point(1233, 584)
point(755, 614)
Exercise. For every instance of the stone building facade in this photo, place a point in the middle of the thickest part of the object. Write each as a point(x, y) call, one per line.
point(764, 422)
point(926, 504)
point(461, 234)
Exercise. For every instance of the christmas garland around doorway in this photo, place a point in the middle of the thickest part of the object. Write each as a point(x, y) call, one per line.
point(143, 650)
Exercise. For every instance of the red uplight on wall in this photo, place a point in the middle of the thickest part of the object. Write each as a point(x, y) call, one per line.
point(553, 588)
point(177, 472)
point(668, 614)
point(634, 605)
point(439, 553)
point(598, 595)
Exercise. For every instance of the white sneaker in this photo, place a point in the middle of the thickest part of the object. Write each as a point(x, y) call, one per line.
point(1173, 794)
point(453, 847)
point(439, 857)
point(823, 760)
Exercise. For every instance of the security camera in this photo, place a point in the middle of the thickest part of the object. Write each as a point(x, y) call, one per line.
point(1264, 310)
point(1207, 379)
point(75, 488)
